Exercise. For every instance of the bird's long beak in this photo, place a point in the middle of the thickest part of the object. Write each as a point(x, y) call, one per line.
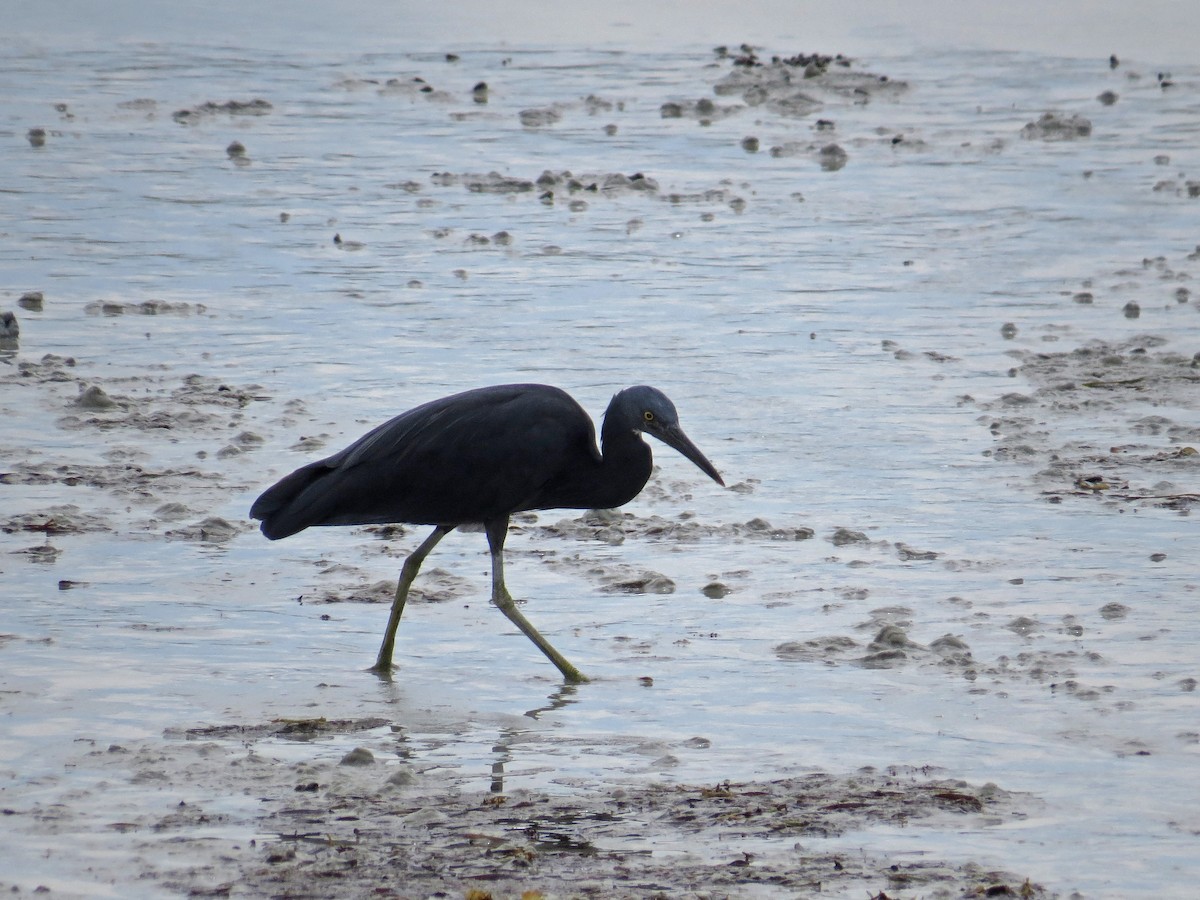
point(673, 436)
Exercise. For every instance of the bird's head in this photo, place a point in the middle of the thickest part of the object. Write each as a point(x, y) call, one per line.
point(647, 410)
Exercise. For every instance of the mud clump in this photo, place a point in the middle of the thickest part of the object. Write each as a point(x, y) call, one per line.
point(703, 110)
point(608, 184)
point(1057, 127)
point(816, 649)
point(63, 519)
point(94, 397)
point(540, 118)
point(10, 328)
point(495, 183)
point(359, 756)
point(256, 107)
point(214, 529)
point(832, 157)
point(143, 307)
point(288, 728)
point(796, 86)
point(434, 586)
point(644, 582)
point(910, 554)
point(842, 536)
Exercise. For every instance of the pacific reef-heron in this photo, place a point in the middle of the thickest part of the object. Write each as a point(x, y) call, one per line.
point(478, 457)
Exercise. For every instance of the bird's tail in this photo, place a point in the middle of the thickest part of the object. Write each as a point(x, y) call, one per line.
point(281, 507)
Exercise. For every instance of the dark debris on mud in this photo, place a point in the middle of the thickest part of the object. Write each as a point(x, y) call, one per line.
point(678, 841)
point(295, 729)
point(210, 108)
point(369, 826)
point(66, 518)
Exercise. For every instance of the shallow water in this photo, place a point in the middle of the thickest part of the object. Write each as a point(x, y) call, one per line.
point(758, 290)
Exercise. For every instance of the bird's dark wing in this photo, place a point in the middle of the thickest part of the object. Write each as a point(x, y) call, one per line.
point(466, 458)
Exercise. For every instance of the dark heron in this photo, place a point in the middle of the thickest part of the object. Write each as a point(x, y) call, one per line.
point(479, 457)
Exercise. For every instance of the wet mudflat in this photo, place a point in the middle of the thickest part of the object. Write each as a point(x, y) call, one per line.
point(932, 316)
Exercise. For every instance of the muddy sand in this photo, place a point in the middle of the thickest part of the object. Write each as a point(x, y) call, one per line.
point(375, 825)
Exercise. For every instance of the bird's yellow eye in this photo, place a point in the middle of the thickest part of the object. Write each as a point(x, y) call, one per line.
point(648, 416)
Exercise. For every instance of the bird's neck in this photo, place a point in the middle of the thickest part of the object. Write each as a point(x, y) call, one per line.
point(625, 466)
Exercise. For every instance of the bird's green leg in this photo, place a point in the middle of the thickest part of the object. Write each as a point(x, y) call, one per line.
point(497, 531)
point(412, 565)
